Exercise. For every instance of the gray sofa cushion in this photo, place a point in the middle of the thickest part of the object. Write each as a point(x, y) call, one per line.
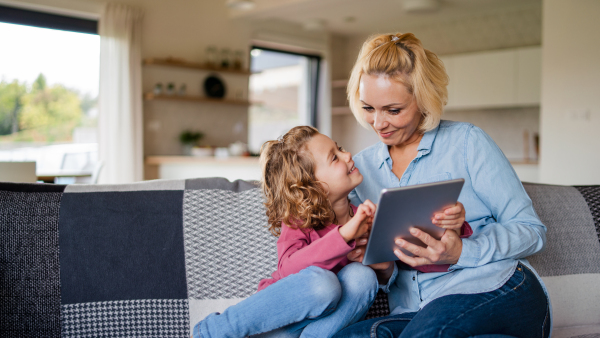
point(570, 264)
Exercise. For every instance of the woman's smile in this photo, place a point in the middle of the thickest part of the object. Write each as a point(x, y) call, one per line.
point(386, 134)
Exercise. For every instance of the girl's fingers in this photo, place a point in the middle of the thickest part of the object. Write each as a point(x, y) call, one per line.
point(371, 206)
point(356, 255)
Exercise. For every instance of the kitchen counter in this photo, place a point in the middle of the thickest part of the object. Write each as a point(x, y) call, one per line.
point(248, 168)
point(184, 167)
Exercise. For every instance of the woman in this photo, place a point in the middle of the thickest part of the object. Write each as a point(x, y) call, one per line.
point(484, 286)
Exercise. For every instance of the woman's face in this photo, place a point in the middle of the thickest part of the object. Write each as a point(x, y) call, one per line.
point(389, 108)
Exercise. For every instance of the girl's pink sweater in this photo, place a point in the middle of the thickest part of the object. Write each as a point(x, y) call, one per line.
point(298, 249)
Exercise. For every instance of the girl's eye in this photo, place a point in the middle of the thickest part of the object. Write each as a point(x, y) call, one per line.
point(340, 148)
point(334, 158)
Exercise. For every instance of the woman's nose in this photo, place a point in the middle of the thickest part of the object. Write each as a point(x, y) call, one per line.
point(379, 121)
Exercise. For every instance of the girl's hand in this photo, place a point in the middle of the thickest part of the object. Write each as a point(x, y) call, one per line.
point(445, 251)
point(451, 218)
point(360, 223)
point(382, 270)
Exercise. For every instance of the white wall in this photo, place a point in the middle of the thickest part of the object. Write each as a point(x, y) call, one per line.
point(570, 109)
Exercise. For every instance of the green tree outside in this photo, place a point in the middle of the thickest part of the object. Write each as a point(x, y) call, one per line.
point(41, 113)
point(11, 95)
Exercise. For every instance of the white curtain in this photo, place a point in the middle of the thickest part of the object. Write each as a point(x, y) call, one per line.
point(120, 99)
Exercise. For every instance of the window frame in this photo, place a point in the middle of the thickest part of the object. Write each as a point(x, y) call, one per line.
point(315, 70)
point(40, 19)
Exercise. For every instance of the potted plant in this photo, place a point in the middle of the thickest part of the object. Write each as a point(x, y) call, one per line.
point(189, 139)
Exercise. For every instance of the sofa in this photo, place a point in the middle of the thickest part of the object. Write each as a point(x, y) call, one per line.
point(150, 259)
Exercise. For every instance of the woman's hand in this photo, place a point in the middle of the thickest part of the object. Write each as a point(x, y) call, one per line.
point(445, 251)
point(451, 218)
point(360, 223)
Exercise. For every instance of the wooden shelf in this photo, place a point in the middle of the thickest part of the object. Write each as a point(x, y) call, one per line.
point(341, 110)
point(232, 160)
point(189, 98)
point(191, 65)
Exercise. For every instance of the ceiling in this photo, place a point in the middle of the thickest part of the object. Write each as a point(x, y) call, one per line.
point(362, 17)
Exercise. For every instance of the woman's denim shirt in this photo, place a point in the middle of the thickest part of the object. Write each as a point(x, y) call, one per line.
point(505, 226)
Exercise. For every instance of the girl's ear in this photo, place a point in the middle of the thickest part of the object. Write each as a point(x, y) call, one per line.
point(325, 187)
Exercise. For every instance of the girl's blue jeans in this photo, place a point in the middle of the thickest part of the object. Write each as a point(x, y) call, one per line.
point(519, 308)
point(311, 303)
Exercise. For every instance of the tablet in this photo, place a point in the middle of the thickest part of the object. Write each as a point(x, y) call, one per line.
point(405, 207)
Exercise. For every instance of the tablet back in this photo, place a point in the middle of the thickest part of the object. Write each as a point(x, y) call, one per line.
point(401, 208)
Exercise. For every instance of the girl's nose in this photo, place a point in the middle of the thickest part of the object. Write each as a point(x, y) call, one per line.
point(347, 156)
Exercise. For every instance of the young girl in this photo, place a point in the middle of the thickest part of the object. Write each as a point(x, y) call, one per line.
point(315, 292)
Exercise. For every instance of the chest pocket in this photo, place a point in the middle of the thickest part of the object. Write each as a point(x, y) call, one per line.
point(436, 178)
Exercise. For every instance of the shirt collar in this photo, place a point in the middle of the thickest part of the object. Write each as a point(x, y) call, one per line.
point(427, 140)
point(383, 153)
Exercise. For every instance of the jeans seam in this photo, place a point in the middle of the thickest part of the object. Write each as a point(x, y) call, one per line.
point(500, 295)
point(325, 313)
point(547, 316)
point(376, 324)
point(543, 335)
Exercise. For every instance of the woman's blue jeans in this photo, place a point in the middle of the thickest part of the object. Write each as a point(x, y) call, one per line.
point(519, 309)
point(311, 303)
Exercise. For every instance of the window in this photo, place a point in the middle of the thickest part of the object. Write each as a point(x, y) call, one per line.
point(283, 92)
point(49, 92)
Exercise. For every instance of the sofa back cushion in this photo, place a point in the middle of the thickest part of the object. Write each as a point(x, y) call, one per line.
point(570, 263)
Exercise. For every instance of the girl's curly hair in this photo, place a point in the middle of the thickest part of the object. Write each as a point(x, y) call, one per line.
point(293, 194)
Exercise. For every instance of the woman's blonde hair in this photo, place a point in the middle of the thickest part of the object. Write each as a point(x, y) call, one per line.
point(293, 194)
point(402, 58)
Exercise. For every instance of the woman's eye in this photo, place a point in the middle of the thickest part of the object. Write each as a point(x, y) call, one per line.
point(340, 148)
point(369, 109)
point(394, 111)
point(334, 158)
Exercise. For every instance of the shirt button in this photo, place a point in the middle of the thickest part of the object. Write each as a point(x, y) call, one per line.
point(413, 277)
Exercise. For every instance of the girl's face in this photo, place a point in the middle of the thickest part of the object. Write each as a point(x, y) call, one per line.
point(333, 167)
point(389, 108)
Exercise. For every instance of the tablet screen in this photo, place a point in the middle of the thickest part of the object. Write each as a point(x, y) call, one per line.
point(405, 207)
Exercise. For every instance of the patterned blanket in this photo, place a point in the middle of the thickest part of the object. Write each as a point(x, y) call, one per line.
point(151, 259)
